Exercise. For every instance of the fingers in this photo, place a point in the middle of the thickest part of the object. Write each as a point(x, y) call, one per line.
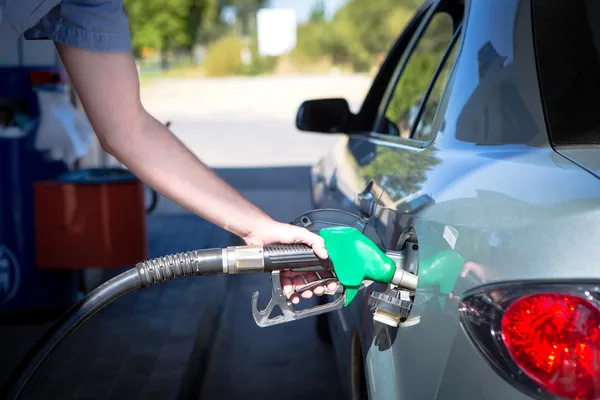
point(286, 282)
point(291, 282)
point(299, 281)
point(316, 242)
point(476, 269)
point(320, 250)
point(332, 286)
point(285, 233)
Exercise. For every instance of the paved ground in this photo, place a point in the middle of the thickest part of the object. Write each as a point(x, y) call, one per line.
point(266, 363)
point(150, 344)
point(248, 362)
point(246, 128)
point(284, 361)
point(142, 344)
point(248, 122)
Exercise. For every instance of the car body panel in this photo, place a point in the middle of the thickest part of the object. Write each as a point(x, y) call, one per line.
point(515, 209)
point(587, 157)
point(469, 377)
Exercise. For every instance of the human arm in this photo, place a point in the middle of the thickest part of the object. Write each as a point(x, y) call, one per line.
point(108, 86)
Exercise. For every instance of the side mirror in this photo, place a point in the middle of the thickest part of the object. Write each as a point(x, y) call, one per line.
point(324, 115)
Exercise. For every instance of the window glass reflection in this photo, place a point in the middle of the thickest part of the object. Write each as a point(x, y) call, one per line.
point(417, 75)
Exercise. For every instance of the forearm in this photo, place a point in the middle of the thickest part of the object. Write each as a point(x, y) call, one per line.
point(159, 159)
point(108, 86)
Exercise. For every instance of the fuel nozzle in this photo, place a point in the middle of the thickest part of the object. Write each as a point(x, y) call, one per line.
point(353, 258)
point(356, 259)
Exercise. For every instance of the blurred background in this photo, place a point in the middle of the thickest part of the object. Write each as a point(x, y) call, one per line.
point(256, 37)
point(228, 77)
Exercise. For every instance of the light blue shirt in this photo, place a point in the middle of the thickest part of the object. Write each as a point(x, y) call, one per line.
point(96, 25)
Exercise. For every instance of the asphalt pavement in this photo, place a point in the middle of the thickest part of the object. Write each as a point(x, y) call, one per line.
point(244, 127)
point(249, 122)
point(246, 361)
point(150, 344)
point(195, 338)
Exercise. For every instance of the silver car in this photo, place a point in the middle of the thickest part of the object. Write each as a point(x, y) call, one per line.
point(477, 145)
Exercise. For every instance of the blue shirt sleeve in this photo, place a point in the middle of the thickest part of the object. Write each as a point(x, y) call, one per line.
point(16, 16)
point(96, 25)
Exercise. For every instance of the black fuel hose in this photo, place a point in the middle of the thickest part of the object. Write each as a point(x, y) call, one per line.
point(230, 260)
point(144, 274)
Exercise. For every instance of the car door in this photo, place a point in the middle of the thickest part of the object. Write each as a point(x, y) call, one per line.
point(364, 161)
point(404, 132)
point(391, 160)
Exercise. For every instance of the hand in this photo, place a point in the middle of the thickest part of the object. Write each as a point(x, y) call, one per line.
point(474, 268)
point(277, 232)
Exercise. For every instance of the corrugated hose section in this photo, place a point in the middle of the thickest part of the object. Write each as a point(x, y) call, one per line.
point(191, 263)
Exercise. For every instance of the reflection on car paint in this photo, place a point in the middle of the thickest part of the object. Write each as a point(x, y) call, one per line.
point(486, 176)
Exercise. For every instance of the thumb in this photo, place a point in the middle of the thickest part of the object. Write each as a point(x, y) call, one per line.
point(320, 250)
point(316, 242)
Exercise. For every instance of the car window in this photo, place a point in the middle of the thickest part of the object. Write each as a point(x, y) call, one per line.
point(567, 42)
point(408, 87)
point(423, 131)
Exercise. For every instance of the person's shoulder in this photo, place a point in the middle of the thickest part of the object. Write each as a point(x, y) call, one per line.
point(17, 16)
point(96, 25)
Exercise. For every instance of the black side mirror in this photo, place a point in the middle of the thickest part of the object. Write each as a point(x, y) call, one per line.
point(324, 115)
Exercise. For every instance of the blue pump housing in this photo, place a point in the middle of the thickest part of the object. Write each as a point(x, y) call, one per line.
point(24, 288)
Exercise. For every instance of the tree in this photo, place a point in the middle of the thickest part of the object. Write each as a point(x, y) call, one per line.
point(246, 11)
point(199, 14)
point(317, 14)
point(404, 171)
point(419, 71)
point(157, 23)
point(364, 21)
point(361, 31)
point(166, 25)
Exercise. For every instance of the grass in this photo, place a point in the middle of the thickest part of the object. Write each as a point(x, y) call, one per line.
point(149, 77)
point(150, 72)
point(184, 72)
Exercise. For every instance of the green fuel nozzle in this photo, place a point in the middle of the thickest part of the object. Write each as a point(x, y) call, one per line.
point(442, 269)
point(353, 257)
point(356, 258)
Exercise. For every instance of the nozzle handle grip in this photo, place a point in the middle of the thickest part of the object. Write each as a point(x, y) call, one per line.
point(297, 257)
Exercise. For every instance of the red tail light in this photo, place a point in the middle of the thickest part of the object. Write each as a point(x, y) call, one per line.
point(545, 339)
point(554, 339)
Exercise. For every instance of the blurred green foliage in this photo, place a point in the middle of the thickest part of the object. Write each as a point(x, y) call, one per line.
point(361, 31)
point(225, 57)
point(410, 88)
point(402, 172)
point(175, 25)
point(259, 64)
point(166, 25)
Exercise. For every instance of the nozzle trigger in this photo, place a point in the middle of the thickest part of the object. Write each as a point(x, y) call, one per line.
point(278, 298)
